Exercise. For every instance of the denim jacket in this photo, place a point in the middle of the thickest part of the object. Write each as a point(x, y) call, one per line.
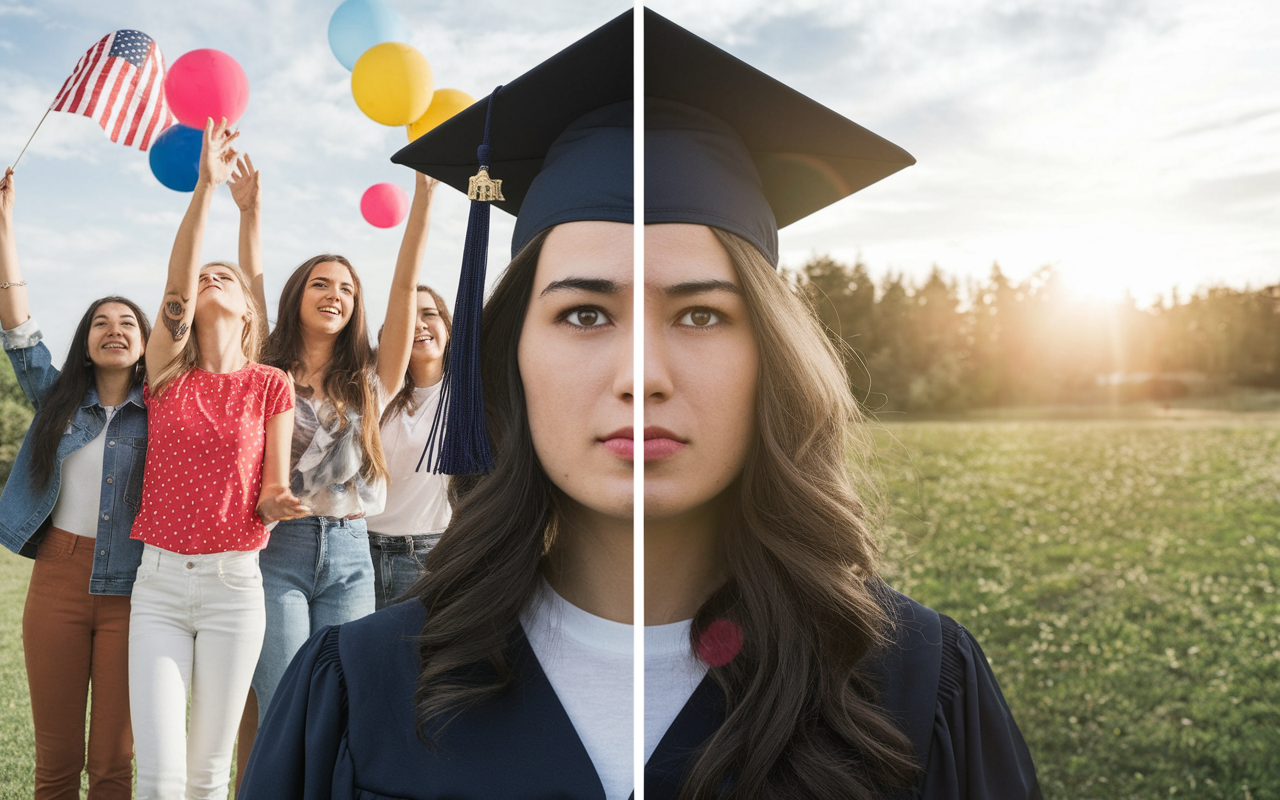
point(26, 511)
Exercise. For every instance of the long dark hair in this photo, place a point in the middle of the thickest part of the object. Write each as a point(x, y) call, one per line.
point(802, 718)
point(404, 397)
point(351, 368)
point(59, 405)
point(485, 568)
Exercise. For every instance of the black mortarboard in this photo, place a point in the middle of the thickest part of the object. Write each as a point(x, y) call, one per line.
point(552, 146)
point(728, 146)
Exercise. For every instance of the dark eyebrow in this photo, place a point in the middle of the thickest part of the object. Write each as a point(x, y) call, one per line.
point(698, 287)
point(596, 285)
point(125, 315)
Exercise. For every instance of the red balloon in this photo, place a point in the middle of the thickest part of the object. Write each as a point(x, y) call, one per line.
point(203, 84)
point(384, 205)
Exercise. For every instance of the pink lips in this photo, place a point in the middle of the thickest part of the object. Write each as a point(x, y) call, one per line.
point(659, 443)
point(620, 443)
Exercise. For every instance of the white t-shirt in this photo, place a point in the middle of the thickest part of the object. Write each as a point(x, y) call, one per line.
point(417, 502)
point(79, 495)
point(588, 661)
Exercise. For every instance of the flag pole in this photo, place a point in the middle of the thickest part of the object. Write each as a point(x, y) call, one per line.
point(33, 135)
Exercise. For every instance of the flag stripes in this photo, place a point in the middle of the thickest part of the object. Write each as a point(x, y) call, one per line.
point(119, 83)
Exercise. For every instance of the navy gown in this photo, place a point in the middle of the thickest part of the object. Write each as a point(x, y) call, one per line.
point(342, 724)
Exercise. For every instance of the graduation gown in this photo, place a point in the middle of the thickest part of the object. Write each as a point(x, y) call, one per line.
point(342, 725)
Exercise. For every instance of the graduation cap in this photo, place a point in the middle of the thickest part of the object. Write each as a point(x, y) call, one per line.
point(552, 146)
point(728, 146)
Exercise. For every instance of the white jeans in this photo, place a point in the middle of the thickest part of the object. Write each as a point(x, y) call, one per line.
point(195, 626)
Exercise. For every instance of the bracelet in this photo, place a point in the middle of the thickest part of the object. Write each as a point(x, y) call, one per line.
point(7, 284)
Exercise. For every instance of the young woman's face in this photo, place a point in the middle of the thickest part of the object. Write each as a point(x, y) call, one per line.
point(575, 364)
point(219, 291)
point(700, 371)
point(429, 334)
point(328, 299)
point(115, 337)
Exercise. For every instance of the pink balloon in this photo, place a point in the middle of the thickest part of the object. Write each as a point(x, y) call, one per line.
point(203, 84)
point(384, 205)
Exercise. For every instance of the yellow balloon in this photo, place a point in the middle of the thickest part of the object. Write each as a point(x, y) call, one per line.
point(444, 104)
point(392, 83)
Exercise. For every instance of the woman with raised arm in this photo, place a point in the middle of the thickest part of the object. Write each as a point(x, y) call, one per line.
point(219, 426)
point(417, 508)
point(69, 502)
point(317, 570)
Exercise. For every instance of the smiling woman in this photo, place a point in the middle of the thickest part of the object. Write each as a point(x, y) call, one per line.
point(69, 503)
point(318, 570)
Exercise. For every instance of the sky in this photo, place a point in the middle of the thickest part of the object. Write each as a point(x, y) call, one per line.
point(1131, 144)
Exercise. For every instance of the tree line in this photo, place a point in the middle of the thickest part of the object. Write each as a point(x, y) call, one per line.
point(938, 344)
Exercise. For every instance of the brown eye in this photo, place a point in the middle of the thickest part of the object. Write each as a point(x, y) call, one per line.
point(700, 318)
point(586, 317)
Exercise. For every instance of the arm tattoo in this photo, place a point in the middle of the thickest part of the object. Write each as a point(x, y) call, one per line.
point(174, 310)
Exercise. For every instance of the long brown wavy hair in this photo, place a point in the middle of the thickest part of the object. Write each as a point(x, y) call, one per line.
point(349, 375)
point(801, 715)
point(485, 568)
point(59, 405)
point(404, 397)
point(189, 356)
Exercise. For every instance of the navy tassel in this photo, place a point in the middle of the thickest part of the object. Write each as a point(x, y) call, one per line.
point(464, 442)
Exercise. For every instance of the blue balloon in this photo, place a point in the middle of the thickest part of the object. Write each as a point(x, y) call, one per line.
point(358, 25)
point(175, 157)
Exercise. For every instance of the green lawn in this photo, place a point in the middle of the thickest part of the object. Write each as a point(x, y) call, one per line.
point(17, 747)
point(1120, 575)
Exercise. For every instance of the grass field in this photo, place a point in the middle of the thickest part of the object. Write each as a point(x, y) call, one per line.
point(1120, 575)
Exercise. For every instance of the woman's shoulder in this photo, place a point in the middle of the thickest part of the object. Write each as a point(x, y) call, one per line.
point(381, 643)
point(265, 372)
point(926, 660)
point(935, 679)
point(394, 623)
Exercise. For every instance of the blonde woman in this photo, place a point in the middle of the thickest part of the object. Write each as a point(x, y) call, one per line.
point(218, 454)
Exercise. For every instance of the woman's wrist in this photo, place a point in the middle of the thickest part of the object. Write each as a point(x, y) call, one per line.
point(204, 187)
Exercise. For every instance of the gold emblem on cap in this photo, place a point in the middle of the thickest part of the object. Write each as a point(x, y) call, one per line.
point(483, 188)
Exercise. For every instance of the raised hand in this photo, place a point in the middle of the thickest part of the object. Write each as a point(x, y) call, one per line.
point(217, 156)
point(7, 195)
point(425, 183)
point(244, 184)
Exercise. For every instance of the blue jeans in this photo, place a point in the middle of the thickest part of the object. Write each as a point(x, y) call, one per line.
point(316, 571)
point(398, 563)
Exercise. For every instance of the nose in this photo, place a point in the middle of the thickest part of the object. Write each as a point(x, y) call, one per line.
point(658, 385)
point(624, 381)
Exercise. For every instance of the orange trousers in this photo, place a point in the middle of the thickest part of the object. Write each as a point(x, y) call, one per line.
point(72, 639)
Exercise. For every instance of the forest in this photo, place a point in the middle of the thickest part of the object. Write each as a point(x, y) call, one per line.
point(942, 345)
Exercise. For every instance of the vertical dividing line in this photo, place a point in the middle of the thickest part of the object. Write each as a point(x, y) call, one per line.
point(637, 395)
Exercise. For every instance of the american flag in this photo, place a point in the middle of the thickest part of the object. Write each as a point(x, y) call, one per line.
point(120, 83)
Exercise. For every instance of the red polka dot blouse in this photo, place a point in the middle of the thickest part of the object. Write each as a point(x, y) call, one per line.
point(206, 436)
